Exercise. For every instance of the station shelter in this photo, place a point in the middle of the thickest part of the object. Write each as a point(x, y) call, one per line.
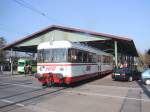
point(122, 48)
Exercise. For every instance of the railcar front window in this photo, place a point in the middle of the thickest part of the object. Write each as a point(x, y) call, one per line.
point(52, 55)
point(21, 64)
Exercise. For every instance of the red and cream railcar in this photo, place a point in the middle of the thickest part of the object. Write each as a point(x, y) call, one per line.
point(68, 62)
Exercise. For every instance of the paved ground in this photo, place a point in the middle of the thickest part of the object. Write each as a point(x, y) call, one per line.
point(24, 94)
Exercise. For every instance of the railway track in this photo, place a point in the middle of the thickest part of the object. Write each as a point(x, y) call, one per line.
point(21, 99)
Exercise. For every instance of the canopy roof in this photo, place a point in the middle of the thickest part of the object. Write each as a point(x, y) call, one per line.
point(55, 32)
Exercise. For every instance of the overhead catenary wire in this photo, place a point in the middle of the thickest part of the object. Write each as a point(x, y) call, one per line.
point(30, 7)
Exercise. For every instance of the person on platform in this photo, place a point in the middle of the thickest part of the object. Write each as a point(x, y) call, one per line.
point(26, 69)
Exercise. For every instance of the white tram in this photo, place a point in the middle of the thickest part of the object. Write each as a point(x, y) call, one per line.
point(68, 62)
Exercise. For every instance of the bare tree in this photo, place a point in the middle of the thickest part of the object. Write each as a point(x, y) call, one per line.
point(141, 58)
point(145, 58)
point(2, 53)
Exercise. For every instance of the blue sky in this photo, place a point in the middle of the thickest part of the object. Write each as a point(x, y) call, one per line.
point(128, 18)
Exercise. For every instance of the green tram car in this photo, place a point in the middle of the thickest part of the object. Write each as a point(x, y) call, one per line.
point(23, 62)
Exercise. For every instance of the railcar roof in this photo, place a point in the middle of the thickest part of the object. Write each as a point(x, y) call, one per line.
point(68, 44)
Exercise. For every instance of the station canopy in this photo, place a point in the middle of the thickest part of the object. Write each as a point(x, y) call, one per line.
point(102, 41)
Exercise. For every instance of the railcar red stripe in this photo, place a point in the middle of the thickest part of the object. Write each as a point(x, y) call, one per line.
point(66, 64)
point(69, 80)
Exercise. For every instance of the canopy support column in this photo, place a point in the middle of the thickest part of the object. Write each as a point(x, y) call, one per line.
point(116, 53)
point(11, 61)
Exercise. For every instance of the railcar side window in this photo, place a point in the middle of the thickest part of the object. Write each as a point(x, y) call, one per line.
point(90, 57)
point(75, 56)
point(94, 58)
point(85, 57)
point(100, 58)
point(79, 56)
point(72, 55)
point(107, 59)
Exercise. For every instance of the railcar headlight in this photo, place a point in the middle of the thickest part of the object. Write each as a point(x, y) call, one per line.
point(60, 76)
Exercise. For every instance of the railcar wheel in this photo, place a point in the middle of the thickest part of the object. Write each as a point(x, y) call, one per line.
point(147, 82)
point(44, 85)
